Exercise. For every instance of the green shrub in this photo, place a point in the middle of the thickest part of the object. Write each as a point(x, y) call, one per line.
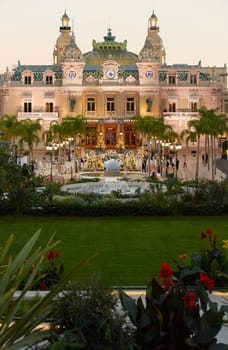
point(88, 317)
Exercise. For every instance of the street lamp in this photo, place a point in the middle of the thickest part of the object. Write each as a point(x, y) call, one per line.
point(176, 147)
point(50, 149)
point(70, 140)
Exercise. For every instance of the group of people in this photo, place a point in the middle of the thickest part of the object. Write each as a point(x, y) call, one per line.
point(168, 164)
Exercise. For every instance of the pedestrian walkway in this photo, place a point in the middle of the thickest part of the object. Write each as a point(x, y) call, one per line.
point(187, 169)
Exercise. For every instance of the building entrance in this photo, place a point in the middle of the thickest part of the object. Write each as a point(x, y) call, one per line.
point(110, 136)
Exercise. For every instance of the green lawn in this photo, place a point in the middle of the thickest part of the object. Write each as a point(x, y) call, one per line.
point(130, 250)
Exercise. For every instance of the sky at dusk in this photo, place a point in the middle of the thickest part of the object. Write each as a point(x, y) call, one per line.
point(191, 30)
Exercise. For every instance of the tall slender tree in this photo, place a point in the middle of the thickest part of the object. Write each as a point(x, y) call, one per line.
point(213, 125)
point(74, 127)
point(9, 129)
point(154, 129)
point(28, 131)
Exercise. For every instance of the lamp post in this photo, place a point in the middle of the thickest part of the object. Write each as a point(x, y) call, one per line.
point(165, 154)
point(50, 149)
point(70, 139)
point(176, 147)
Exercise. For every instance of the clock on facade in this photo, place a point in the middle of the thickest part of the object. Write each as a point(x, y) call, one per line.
point(110, 74)
point(149, 74)
point(72, 74)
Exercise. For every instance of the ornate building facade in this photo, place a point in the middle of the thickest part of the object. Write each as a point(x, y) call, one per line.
point(109, 85)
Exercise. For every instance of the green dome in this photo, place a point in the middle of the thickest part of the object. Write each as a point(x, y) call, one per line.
point(110, 49)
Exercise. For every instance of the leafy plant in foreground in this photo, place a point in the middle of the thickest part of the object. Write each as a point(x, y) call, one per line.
point(25, 331)
point(177, 313)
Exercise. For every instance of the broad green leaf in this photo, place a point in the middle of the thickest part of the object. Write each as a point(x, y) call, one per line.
point(129, 304)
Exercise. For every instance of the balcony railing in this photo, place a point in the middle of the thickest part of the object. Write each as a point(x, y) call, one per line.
point(37, 115)
point(181, 113)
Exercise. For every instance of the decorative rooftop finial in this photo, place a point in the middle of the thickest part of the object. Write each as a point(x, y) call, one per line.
point(109, 37)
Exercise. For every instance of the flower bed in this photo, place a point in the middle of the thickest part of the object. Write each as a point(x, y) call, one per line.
point(178, 311)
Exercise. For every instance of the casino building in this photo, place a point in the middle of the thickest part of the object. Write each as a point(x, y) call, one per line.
point(109, 85)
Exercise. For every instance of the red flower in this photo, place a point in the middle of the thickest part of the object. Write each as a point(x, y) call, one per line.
point(43, 285)
point(166, 274)
point(189, 300)
point(208, 231)
point(167, 283)
point(206, 281)
point(166, 271)
point(203, 235)
point(53, 254)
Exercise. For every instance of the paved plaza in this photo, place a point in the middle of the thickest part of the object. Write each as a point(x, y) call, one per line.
point(63, 172)
point(187, 171)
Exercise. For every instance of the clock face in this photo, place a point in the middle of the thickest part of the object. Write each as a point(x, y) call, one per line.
point(72, 74)
point(110, 74)
point(149, 74)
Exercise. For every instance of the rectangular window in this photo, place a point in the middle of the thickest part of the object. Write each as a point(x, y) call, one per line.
point(49, 107)
point(172, 79)
point(193, 79)
point(49, 80)
point(129, 136)
point(91, 104)
point(28, 80)
point(194, 107)
point(172, 107)
point(27, 107)
point(130, 104)
point(91, 136)
point(110, 104)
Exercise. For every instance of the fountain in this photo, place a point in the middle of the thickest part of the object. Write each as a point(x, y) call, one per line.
point(112, 167)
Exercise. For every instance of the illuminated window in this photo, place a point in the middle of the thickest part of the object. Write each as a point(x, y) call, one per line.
point(49, 107)
point(129, 136)
point(91, 136)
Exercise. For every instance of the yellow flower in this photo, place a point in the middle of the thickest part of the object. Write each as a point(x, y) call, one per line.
point(225, 243)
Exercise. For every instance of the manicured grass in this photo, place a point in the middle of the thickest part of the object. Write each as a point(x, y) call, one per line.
point(130, 250)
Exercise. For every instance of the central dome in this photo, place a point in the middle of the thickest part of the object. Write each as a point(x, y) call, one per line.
point(110, 49)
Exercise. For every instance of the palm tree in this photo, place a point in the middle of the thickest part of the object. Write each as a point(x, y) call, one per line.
point(194, 133)
point(9, 129)
point(210, 125)
point(74, 127)
point(154, 129)
point(28, 131)
point(213, 125)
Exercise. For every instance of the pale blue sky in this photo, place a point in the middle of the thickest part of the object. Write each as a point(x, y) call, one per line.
point(191, 30)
